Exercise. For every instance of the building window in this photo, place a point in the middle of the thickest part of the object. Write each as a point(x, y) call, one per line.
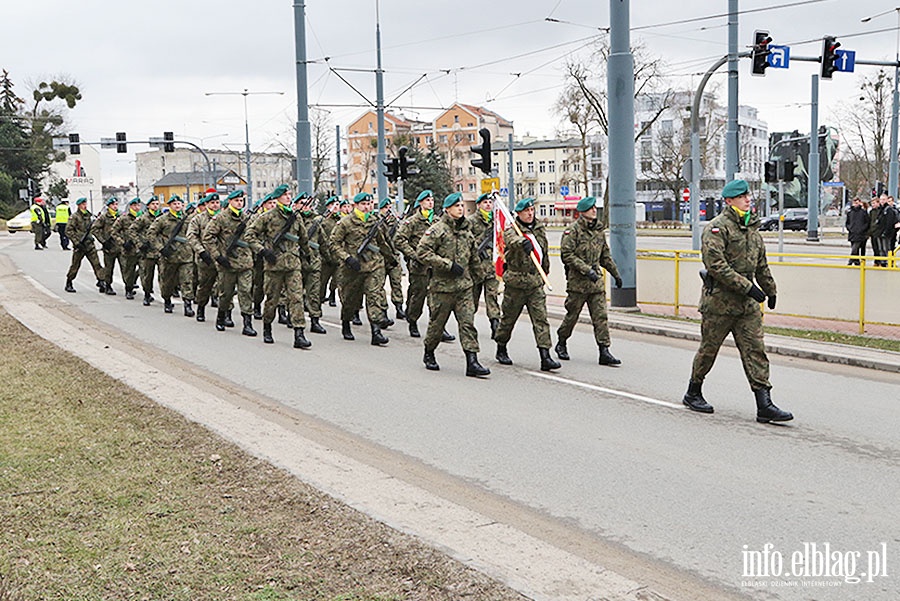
point(531, 189)
point(496, 167)
point(577, 188)
point(471, 170)
point(542, 166)
point(443, 138)
point(470, 125)
point(551, 166)
point(459, 188)
point(471, 137)
point(429, 139)
point(564, 167)
point(552, 187)
point(471, 187)
point(543, 212)
point(518, 166)
point(576, 166)
point(457, 138)
point(456, 118)
point(518, 189)
point(666, 127)
point(553, 210)
point(530, 166)
point(542, 188)
point(459, 172)
point(646, 149)
point(645, 166)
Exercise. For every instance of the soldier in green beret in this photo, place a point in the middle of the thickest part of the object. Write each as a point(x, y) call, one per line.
point(140, 233)
point(205, 272)
point(80, 226)
point(130, 255)
point(523, 285)
point(484, 276)
point(584, 253)
point(103, 232)
point(259, 291)
point(327, 279)
point(168, 237)
point(734, 255)
point(312, 271)
point(407, 240)
point(394, 273)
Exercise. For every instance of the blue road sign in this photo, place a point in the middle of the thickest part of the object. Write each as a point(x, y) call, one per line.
point(564, 190)
point(504, 192)
point(779, 57)
point(845, 60)
point(832, 184)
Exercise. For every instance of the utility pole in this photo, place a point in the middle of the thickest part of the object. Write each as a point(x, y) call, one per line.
point(337, 146)
point(511, 184)
point(812, 196)
point(379, 107)
point(732, 143)
point(304, 144)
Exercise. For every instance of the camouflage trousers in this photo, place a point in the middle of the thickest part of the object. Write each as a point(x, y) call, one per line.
point(206, 282)
point(258, 280)
point(440, 305)
point(328, 279)
point(176, 275)
point(148, 270)
point(312, 289)
point(129, 266)
point(242, 281)
point(359, 285)
point(747, 332)
point(381, 274)
point(87, 251)
point(40, 233)
point(535, 300)
point(109, 265)
point(596, 302)
point(491, 289)
point(416, 293)
point(395, 277)
point(284, 287)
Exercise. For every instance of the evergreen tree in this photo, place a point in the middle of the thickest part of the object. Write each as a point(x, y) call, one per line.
point(434, 174)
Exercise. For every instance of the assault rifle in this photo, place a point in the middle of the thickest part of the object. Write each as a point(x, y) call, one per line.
point(87, 233)
point(166, 250)
point(312, 231)
point(486, 242)
point(366, 244)
point(236, 241)
point(283, 233)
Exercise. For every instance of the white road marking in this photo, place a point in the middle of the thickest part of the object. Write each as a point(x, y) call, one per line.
point(612, 391)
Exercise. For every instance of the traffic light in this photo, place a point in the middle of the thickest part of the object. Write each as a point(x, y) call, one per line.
point(407, 166)
point(771, 172)
point(788, 171)
point(760, 53)
point(393, 169)
point(483, 152)
point(168, 141)
point(121, 146)
point(829, 56)
point(74, 146)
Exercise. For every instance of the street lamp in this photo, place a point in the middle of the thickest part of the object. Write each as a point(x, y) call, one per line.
point(245, 93)
point(202, 140)
point(893, 169)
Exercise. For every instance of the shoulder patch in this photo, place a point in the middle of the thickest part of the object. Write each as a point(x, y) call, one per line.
point(714, 230)
point(565, 232)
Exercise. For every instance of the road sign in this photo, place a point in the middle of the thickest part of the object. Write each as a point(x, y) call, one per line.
point(845, 61)
point(686, 194)
point(564, 190)
point(504, 192)
point(489, 184)
point(833, 184)
point(779, 56)
point(107, 142)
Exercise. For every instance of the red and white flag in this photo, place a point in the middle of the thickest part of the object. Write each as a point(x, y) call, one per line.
point(502, 219)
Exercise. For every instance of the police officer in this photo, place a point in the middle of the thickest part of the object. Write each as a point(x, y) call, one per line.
point(168, 237)
point(40, 223)
point(523, 285)
point(149, 257)
point(484, 276)
point(448, 249)
point(584, 253)
point(80, 226)
point(130, 255)
point(734, 255)
point(206, 272)
point(62, 220)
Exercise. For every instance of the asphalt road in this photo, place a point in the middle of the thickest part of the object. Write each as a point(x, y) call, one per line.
point(607, 455)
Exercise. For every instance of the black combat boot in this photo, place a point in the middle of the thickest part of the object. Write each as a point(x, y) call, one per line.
point(248, 325)
point(69, 286)
point(386, 322)
point(473, 367)
point(300, 340)
point(331, 302)
point(176, 293)
point(314, 326)
point(214, 302)
point(101, 287)
point(495, 323)
point(147, 299)
point(447, 336)
point(548, 363)
point(401, 314)
point(430, 362)
point(282, 315)
point(109, 290)
point(606, 357)
point(378, 339)
point(766, 411)
point(188, 308)
point(414, 329)
point(257, 311)
point(289, 324)
point(201, 313)
point(502, 356)
point(129, 293)
point(220, 320)
point(267, 333)
point(168, 307)
point(562, 351)
point(694, 400)
point(229, 323)
point(356, 320)
point(346, 332)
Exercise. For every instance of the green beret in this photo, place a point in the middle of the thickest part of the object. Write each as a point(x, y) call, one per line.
point(524, 204)
point(81, 201)
point(344, 201)
point(236, 194)
point(212, 196)
point(279, 191)
point(223, 202)
point(384, 202)
point(362, 197)
point(485, 196)
point(111, 201)
point(423, 195)
point(301, 196)
point(190, 206)
point(586, 204)
point(134, 201)
point(152, 198)
point(734, 188)
point(332, 200)
point(452, 199)
point(174, 198)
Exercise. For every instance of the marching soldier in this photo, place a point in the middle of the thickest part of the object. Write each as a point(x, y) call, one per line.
point(523, 285)
point(168, 237)
point(279, 237)
point(125, 240)
point(103, 232)
point(448, 249)
point(62, 220)
point(206, 272)
point(312, 270)
point(80, 226)
point(40, 223)
point(329, 263)
point(484, 275)
point(734, 256)
point(584, 252)
point(359, 244)
point(259, 272)
point(407, 241)
point(223, 238)
point(394, 272)
point(149, 257)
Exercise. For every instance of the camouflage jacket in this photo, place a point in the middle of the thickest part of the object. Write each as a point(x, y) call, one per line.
point(140, 233)
point(81, 223)
point(103, 231)
point(583, 248)
point(409, 234)
point(218, 234)
point(481, 228)
point(347, 236)
point(195, 229)
point(327, 227)
point(122, 232)
point(735, 255)
point(262, 231)
point(446, 242)
point(521, 271)
point(160, 233)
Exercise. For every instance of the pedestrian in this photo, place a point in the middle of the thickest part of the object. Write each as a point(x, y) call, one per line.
point(168, 236)
point(62, 221)
point(857, 224)
point(889, 226)
point(734, 255)
point(312, 269)
point(40, 223)
point(876, 222)
point(448, 249)
point(584, 254)
point(80, 226)
point(103, 232)
point(130, 256)
point(205, 270)
point(149, 257)
point(484, 275)
point(523, 286)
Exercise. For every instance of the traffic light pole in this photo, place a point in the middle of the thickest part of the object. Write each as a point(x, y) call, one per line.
point(304, 139)
point(511, 183)
point(812, 187)
point(379, 106)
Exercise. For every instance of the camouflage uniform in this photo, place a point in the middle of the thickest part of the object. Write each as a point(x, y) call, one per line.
point(236, 271)
point(484, 276)
point(407, 241)
point(130, 254)
point(204, 260)
point(394, 271)
point(177, 269)
point(103, 232)
point(80, 232)
point(346, 237)
point(149, 257)
point(312, 271)
point(258, 278)
point(330, 265)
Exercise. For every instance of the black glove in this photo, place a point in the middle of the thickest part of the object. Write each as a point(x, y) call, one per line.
point(145, 247)
point(166, 252)
point(107, 246)
point(618, 282)
point(772, 303)
point(223, 261)
point(268, 255)
point(756, 294)
point(592, 275)
point(128, 245)
point(353, 263)
point(527, 246)
point(391, 263)
point(206, 258)
point(484, 254)
point(456, 269)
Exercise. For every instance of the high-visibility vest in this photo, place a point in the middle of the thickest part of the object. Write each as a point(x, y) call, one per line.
point(36, 216)
point(62, 214)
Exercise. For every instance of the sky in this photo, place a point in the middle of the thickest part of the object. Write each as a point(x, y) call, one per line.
point(180, 65)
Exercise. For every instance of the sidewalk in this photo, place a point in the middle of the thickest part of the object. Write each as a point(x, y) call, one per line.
point(781, 345)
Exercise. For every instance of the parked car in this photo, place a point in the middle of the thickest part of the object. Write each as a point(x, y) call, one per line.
point(794, 219)
point(22, 221)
